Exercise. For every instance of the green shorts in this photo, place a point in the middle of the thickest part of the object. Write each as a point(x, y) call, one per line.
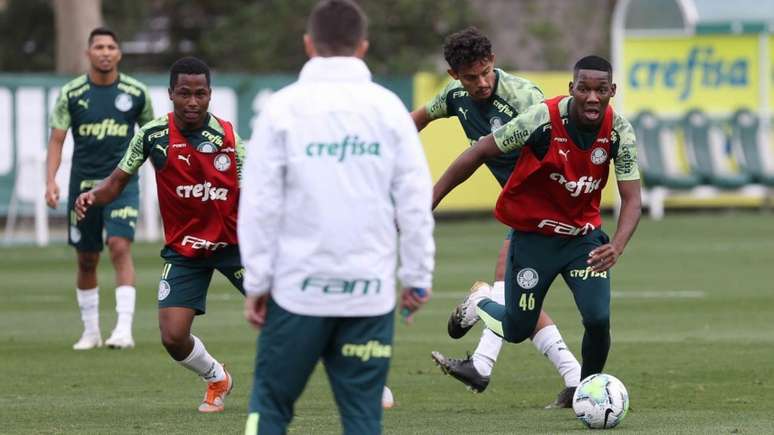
point(534, 261)
point(185, 281)
point(118, 219)
point(356, 354)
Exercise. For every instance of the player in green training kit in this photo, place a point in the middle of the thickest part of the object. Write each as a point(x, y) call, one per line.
point(484, 98)
point(101, 109)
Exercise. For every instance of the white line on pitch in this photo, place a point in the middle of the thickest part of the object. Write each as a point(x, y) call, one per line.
point(634, 294)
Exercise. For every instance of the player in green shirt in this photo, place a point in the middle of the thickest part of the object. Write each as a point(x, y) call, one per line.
point(484, 98)
point(100, 108)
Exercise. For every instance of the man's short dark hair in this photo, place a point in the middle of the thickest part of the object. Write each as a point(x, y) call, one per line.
point(102, 31)
point(466, 47)
point(337, 27)
point(188, 65)
point(596, 63)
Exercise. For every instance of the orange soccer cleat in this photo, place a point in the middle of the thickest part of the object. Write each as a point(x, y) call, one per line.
point(216, 394)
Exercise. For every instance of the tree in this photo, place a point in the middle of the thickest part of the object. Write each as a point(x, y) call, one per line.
point(265, 36)
point(33, 48)
point(256, 36)
point(74, 21)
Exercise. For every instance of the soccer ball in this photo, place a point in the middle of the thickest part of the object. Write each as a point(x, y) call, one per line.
point(388, 400)
point(601, 401)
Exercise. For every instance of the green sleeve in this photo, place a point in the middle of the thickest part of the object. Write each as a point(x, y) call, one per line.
point(519, 92)
point(534, 96)
point(135, 155)
point(240, 155)
point(60, 117)
point(437, 107)
point(515, 133)
point(146, 115)
point(626, 168)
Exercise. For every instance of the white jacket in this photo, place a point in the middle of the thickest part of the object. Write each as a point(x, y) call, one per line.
point(333, 165)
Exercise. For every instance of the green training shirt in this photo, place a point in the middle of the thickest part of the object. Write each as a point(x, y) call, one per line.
point(512, 95)
point(533, 129)
point(152, 140)
point(102, 120)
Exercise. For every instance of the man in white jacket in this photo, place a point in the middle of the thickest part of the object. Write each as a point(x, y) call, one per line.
point(333, 164)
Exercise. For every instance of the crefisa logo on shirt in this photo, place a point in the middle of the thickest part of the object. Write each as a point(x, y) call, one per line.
point(222, 162)
point(123, 102)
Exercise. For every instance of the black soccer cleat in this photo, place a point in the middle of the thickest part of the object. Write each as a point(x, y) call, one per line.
point(563, 399)
point(463, 370)
point(454, 326)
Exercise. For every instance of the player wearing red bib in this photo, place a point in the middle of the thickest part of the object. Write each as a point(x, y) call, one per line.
point(551, 200)
point(484, 98)
point(197, 158)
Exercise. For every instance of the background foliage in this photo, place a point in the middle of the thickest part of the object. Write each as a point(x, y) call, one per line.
point(237, 35)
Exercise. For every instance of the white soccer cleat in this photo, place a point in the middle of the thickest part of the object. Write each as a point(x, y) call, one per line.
point(466, 311)
point(88, 341)
point(388, 400)
point(120, 340)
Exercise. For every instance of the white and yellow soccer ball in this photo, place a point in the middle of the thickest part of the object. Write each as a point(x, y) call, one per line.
point(601, 401)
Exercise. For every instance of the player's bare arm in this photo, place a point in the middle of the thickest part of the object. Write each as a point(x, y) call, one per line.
point(421, 118)
point(465, 165)
point(105, 192)
point(53, 160)
point(606, 256)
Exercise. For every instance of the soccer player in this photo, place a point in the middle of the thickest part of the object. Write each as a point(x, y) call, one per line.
point(484, 98)
point(552, 203)
point(197, 158)
point(101, 109)
point(333, 164)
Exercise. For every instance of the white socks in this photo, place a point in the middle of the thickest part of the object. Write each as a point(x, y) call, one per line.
point(490, 343)
point(550, 343)
point(88, 301)
point(202, 363)
point(125, 298)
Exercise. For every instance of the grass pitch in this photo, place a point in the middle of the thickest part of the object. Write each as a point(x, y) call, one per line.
point(693, 341)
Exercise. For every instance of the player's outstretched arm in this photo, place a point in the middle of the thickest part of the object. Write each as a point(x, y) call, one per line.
point(465, 165)
point(106, 191)
point(53, 160)
point(606, 256)
point(421, 118)
point(631, 209)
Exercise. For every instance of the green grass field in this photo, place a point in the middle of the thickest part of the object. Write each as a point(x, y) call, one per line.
point(693, 340)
